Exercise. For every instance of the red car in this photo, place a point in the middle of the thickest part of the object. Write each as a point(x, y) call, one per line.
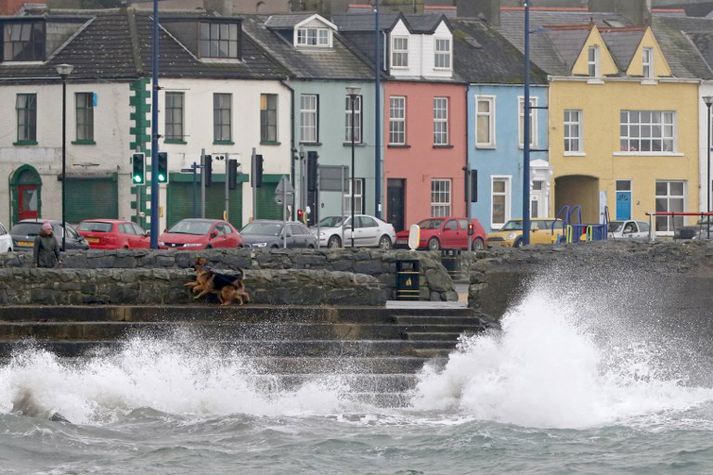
point(113, 234)
point(198, 233)
point(446, 233)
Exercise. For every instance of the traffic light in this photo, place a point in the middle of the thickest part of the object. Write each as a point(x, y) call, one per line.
point(162, 167)
point(208, 169)
point(232, 174)
point(312, 158)
point(258, 170)
point(138, 169)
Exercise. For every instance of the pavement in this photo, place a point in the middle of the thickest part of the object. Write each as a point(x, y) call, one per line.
point(462, 302)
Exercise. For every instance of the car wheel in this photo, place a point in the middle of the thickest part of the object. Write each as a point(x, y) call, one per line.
point(518, 243)
point(209, 246)
point(478, 244)
point(434, 244)
point(334, 241)
point(385, 242)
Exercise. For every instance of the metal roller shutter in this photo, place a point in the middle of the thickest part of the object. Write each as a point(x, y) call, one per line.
point(180, 202)
point(266, 206)
point(88, 198)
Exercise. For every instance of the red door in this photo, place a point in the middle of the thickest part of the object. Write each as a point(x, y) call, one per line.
point(28, 201)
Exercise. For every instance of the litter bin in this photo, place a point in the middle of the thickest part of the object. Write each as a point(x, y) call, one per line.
point(408, 272)
point(450, 260)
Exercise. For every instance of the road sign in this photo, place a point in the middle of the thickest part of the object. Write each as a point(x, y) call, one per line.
point(333, 178)
point(286, 190)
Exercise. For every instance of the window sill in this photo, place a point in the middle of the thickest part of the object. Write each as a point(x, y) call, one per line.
point(175, 141)
point(223, 142)
point(443, 146)
point(270, 142)
point(597, 82)
point(649, 82)
point(84, 142)
point(648, 154)
point(575, 154)
point(522, 147)
point(396, 145)
point(356, 144)
point(22, 143)
point(312, 144)
point(485, 146)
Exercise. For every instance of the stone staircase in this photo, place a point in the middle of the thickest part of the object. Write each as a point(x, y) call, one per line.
point(374, 352)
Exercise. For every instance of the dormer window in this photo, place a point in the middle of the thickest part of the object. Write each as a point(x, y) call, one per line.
point(23, 41)
point(218, 40)
point(442, 59)
point(593, 61)
point(647, 60)
point(399, 52)
point(320, 37)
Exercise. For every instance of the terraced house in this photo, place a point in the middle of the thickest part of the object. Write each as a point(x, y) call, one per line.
point(624, 108)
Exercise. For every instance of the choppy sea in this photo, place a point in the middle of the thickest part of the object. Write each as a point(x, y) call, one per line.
point(570, 385)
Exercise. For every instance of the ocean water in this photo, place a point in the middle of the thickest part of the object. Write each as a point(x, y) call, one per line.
point(572, 384)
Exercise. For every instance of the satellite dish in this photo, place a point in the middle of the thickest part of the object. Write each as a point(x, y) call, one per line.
point(414, 236)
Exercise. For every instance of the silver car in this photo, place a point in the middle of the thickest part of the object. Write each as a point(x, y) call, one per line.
point(369, 231)
point(268, 233)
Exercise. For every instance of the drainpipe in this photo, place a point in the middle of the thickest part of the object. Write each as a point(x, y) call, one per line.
point(292, 142)
point(467, 171)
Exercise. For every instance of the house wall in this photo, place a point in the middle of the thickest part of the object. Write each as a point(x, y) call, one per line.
point(332, 147)
point(601, 105)
point(506, 157)
point(420, 161)
point(108, 155)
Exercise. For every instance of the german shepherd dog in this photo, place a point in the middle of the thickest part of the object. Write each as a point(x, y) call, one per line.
point(229, 287)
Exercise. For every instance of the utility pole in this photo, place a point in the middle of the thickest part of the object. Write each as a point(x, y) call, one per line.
point(154, 129)
point(526, 136)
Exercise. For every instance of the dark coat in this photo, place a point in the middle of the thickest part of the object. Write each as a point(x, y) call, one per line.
point(46, 251)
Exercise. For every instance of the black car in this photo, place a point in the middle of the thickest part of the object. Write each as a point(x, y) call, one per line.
point(691, 232)
point(24, 233)
point(267, 233)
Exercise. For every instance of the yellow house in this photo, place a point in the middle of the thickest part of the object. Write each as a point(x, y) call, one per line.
point(623, 128)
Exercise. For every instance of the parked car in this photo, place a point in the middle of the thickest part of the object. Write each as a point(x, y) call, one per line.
point(269, 233)
point(542, 231)
point(369, 231)
point(5, 239)
point(628, 229)
point(692, 232)
point(113, 234)
point(446, 233)
point(24, 233)
point(199, 233)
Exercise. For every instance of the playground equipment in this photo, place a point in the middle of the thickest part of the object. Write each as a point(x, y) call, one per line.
point(574, 231)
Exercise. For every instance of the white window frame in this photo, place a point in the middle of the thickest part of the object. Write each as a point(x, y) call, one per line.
point(395, 121)
point(668, 197)
point(520, 121)
point(312, 37)
point(309, 133)
point(401, 53)
point(647, 63)
point(440, 121)
point(593, 61)
point(441, 54)
point(358, 196)
point(491, 119)
point(441, 197)
point(570, 138)
point(633, 133)
point(357, 120)
point(508, 199)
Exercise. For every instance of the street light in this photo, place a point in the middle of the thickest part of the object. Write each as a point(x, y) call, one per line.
point(64, 70)
point(353, 93)
point(709, 102)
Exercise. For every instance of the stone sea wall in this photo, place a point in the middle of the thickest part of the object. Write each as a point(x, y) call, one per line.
point(342, 276)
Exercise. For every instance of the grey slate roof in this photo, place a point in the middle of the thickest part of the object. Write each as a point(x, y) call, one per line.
point(482, 55)
point(622, 45)
point(339, 62)
point(116, 45)
point(287, 20)
point(426, 23)
point(675, 35)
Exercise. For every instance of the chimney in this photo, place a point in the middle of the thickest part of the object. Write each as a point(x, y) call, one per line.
point(637, 11)
point(489, 10)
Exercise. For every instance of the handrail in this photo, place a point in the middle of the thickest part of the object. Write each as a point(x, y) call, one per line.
point(653, 214)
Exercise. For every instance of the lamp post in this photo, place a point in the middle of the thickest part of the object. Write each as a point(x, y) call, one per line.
point(709, 102)
point(352, 92)
point(64, 70)
point(526, 136)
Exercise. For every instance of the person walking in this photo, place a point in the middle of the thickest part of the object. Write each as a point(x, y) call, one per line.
point(46, 249)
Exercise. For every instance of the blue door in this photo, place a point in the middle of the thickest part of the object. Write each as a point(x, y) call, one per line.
point(623, 205)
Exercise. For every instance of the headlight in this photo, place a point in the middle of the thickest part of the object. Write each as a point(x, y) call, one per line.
point(259, 244)
point(511, 236)
point(192, 244)
point(322, 234)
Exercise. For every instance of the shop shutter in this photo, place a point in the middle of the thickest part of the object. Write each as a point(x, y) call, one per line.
point(265, 201)
point(180, 202)
point(88, 198)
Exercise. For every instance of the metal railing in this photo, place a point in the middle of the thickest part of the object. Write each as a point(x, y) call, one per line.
point(654, 214)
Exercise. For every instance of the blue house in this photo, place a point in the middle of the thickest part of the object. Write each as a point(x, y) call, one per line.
point(494, 71)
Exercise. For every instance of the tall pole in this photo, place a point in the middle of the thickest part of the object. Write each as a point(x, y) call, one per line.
point(64, 158)
point(709, 102)
point(154, 129)
point(526, 136)
point(227, 190)
point(377, 113)
point(352, 97)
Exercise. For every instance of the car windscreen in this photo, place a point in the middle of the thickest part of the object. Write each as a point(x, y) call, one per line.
point(512, 226)
point(28, 229)
point(330, 221)
point(262, 229)
point(191, 227)
point(96, 227)
point(615, 226)
point(430, 223)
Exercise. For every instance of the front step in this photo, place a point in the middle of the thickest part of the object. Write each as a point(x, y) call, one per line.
point(429, 336)
point(343, 383)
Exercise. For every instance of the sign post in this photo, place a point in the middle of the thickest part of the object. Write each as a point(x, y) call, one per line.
point(284, 193)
